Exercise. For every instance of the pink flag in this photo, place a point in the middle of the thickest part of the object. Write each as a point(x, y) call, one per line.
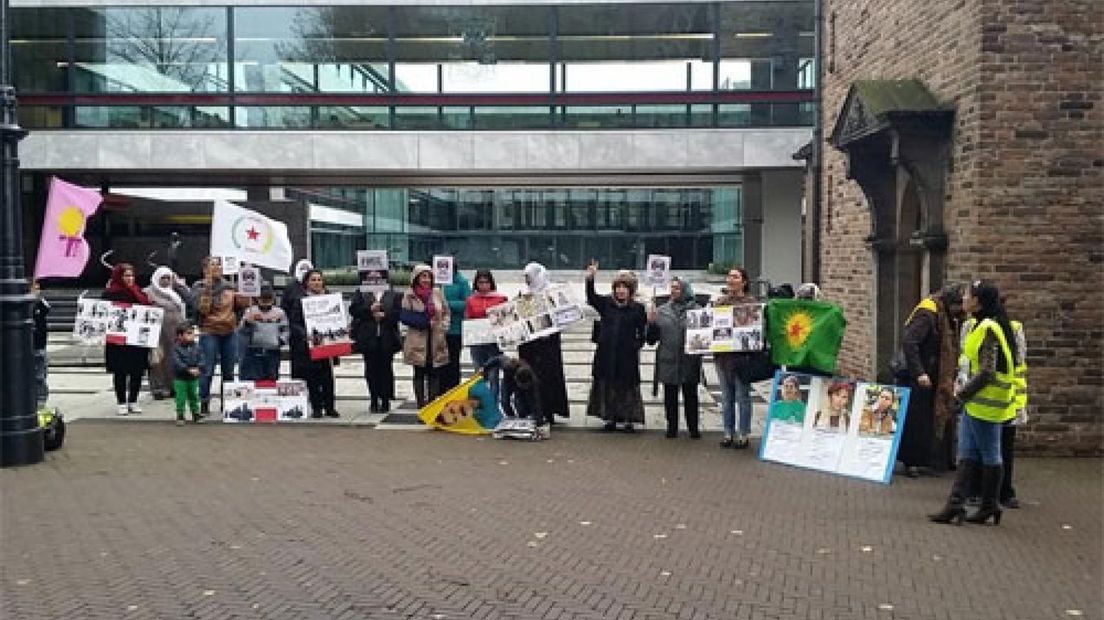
point(62, 251)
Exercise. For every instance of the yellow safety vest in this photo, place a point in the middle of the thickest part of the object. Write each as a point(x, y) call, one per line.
point(1020, 381)
point(996, 401)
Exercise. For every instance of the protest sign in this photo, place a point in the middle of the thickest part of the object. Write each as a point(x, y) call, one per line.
point(374, 272)
point(477, 332)
point(249, 281)
point(833, 424)
point(442, 270)
point(99, 321)
point(468, 409)
point(725, 329)
point(327, 323)
point(658, 273)
point(534, 315)
point(230, 265)
point(264, 401)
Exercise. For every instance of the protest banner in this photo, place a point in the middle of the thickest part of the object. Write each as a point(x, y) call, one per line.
point(725, 329)
point(327, 323)
point(374, 271)
point(442, 270)
point(658, 273)
point(249, 281)
point(837, 425)
point(264, 401)
point(467, 409)
point(110, 322)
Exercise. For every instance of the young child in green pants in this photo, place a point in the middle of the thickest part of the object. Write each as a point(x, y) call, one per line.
point(187, 366)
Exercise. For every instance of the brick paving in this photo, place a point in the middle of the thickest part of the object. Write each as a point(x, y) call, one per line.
point(153, 521)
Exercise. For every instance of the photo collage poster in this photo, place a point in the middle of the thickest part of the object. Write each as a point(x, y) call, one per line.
point(327, 323)
point(99, 321)
point(833, 424)
point(534, 315)
point(374, 272)
point(265, 401)
point(725, 329)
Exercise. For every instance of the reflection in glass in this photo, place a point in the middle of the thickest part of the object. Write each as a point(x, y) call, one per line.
point(354, 117)
point(39, 55)
point(150, 49)
point(273, 117)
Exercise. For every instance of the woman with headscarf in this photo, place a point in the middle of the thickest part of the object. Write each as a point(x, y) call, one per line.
point(426, 315)
point(988, 399)
point(930, 348)
point(545, 356)
point(126, 363)
point(165, 293)
point(615, 390)
point(673, 367)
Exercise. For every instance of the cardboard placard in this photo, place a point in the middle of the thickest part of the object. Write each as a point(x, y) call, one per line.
point(109, 322)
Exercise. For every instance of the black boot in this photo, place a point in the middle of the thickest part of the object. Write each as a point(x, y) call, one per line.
point(374, 407)
point(385, 405)
point(954, 511)
point(990, 491)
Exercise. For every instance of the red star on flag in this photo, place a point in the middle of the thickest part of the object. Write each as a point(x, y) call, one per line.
point(252, 233)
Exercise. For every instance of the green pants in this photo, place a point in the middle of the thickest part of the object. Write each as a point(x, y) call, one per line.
point(186, 389)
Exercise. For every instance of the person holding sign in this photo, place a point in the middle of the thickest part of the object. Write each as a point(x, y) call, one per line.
point(317, 373)
point(426, 314)
point(217, 307)
point(376, 334)
point(673, 367)
point(615, 392)
point(126, 363)
point(486, 295)
point(545, 355)
point(735, 392)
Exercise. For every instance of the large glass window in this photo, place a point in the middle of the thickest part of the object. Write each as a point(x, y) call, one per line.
point(334, 49)
point(150, 49)
point(763, 44)
point(632, 48)
point(472, 49)
point(39, 51)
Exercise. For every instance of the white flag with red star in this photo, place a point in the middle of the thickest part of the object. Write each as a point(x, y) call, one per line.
point(250, 236)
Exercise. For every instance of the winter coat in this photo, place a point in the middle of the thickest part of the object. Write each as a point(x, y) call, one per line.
point(672, 364)
point(217, 307)
point(456, 294)
point(424, 333)
point(617, 358)
point(122, 358)
point(185, 357)
point(376, 336)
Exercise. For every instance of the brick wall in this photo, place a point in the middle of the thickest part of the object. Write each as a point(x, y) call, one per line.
point(1024, 204)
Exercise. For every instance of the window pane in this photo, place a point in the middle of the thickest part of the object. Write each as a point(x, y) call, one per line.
point(354, 117)
point(311, 49)
point(762, 44)
point(473, 49)
point(512, 117)
point(40, 117)
point(281, 117)
point(150, 49)
point(39, 56)
point(629, 48)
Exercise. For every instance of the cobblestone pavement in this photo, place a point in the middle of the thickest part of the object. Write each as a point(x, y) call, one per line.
point(154, 521)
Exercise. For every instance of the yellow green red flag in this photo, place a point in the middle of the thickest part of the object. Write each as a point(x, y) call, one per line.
point(804, 333)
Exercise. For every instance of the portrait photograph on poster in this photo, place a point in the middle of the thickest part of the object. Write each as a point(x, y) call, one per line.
point(442, 270)
point(658, 273)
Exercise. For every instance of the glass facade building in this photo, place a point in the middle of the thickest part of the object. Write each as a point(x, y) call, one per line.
point(652, 68)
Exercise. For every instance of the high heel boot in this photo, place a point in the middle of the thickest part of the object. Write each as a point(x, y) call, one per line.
point(990, 491)
point(955, 508)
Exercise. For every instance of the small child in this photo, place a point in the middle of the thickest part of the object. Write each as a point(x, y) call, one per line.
point(41, 309)
point(264, 329)
point(187, 366)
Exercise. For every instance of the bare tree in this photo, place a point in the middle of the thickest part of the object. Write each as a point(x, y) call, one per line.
point(176, 42)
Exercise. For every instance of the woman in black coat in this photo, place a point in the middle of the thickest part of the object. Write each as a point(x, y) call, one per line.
point(615, 391)
point(126, 363)
point(376, 336)
point(317, 373)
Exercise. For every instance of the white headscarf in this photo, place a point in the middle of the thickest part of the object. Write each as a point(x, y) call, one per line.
point(538, 277)
point(301, 268)
point(166, 292)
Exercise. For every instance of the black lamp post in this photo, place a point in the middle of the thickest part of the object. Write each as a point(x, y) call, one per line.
point(20, 437)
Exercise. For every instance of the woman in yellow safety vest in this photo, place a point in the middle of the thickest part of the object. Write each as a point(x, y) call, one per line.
point(988, 400)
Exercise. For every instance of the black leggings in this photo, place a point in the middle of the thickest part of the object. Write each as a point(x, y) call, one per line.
point(122, 394)
point(689, 399)
point(320, 385)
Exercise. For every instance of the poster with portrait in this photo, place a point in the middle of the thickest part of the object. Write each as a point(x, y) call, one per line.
point(374, 272)
point(100, 321)
point(265, 401)
point(249, 281)
point(327, 323)
point(834, 424)
point(658, 273)
point(230, 265)
point(725, 329)
point(442, 270)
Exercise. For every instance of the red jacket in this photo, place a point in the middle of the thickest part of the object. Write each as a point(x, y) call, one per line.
point(477, 304)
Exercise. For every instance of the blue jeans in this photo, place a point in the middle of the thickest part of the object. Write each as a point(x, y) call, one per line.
point(734, 392)
point(260, 364)
point(481, 354)
point(979, 441)
point(224, 348)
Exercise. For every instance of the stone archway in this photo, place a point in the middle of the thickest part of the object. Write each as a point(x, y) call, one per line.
point(896, 136)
